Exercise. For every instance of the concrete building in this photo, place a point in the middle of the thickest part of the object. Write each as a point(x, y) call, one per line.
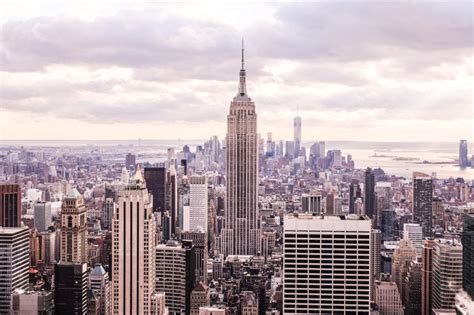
point(311, 203)
point(248, 303)
point(212, 310)
point(324, 257)
point(200, 297)
point(402, 256)
point(414, 233)
point(387, 298)
point(73, 228)
point(42, 215)
point(447, 273)
point(133, 250)
point(171, 275)
point(14, 247)
point(196, 215)
point(31, 302)
point(241, 234)
point(100, 284)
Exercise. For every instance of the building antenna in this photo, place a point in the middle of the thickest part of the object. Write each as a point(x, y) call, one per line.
point(242, 52)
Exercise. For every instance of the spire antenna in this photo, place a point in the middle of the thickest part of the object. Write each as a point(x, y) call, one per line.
point(242, 53)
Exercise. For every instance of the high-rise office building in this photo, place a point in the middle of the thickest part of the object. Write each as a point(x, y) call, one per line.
point(241, 234)
point(130, 161)
point(171, 275)
point(107, 214)
point(388, 299)
point(463, 160)
point(10, 205)
point(70, 288)
point(426, 276)
point(100, 284)
point(467, 239)
point(199, 241)
point(324, 258)
point(171, 198)
point(354, 193)
point(370, 202)
point(412, 289)
point(422, 202)
point(376, 263)
point(42, 215)
point(414, 233)
point(402, 256)
point(447, 273)
point(155, 179)
point(14, 252)
point(133, 250)
point(297, 135)
point(73, 228)
point(311, 203)
point(196, 215)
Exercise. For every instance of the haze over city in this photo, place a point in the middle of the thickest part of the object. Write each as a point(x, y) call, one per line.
point(373, 71)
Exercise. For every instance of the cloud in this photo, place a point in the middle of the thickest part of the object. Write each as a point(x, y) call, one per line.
point(338, 61)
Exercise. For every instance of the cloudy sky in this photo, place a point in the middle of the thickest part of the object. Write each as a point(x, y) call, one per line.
point(392, 71)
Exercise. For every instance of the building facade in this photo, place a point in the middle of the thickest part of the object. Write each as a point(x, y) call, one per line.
point(241, 234)
point(10, 205)
point(14, 250)
point(133, 250)
point(422, 202)
point(324, 258)
point(73, 228)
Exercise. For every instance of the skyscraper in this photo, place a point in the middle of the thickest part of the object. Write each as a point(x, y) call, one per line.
point(325, 257)
point(73, 228)
point(413, 232)
point(70, 287)
point(402, 256)
point(388, 299)
point(241, 235)
point(133, 250)
point(426, 276)
point(468, 254)
point(171, 275)
point(10, 205)
point(196, 215)
point(42, 215)
point(447, 273)
point(14, 253)
point(155, 179)
point(463, 161)
point(297, 135)
point(369, 190)
point(422, 202)
point(199, 240)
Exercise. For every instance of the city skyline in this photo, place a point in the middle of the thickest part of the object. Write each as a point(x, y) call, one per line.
point(85, 65)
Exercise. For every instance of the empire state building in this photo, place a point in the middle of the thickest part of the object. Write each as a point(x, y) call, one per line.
point(241, 232)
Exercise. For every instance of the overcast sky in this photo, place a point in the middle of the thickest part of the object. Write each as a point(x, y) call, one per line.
point(381, 71)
